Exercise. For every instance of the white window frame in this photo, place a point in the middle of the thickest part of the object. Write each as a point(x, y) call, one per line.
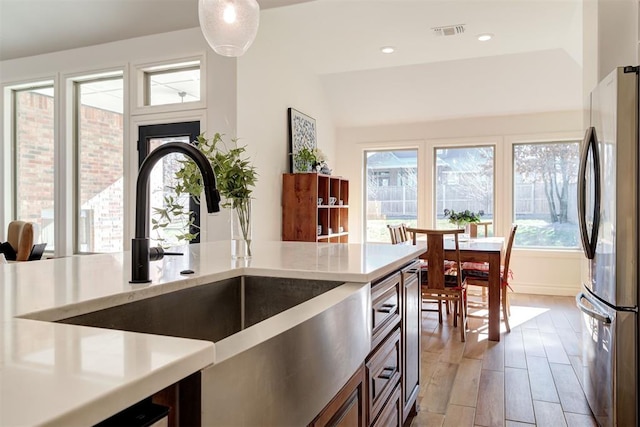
point(71, 126)
point(543, 138)
point(7, 149)
point(139, 86)
point(497, 142)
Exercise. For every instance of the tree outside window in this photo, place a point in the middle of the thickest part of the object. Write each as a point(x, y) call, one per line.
point(545, 176)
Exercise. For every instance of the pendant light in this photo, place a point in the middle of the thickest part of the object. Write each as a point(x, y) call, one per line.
point(230, 26)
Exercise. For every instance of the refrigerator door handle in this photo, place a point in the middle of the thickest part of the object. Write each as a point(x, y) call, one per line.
point(590, 145)
point(602, 317)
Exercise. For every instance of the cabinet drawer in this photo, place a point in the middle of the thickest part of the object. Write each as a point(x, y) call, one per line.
point(385, 306)
point(390, 414)
point(347, 408)
point(383, 373)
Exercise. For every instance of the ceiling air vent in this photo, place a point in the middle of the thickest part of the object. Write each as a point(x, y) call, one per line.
point(449, 30)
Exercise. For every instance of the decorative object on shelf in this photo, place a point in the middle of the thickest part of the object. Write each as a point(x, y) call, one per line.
point(324, 168)
point(302, 135)
point(304, 160)
point(311, 161)
point(229, 26)
point(235, 179)
point(463, 218)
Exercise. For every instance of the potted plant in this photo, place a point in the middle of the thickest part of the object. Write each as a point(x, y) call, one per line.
point(235, 179)
point(310, 160)
point(462, 218)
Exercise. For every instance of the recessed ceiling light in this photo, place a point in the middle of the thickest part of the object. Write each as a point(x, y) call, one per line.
point(485, 37)
point(387, 49)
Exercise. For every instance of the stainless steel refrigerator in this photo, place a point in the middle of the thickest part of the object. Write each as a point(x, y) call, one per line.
point(608, 216)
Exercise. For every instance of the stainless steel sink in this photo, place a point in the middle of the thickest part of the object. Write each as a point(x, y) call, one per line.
point(283, 347)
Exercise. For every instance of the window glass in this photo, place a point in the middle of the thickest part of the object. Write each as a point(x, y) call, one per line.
point(100, 170)
point(173, 86)
point(162, 180)
point(545, 177)
point(34, 159)
point(464, 180)
point(392, 192)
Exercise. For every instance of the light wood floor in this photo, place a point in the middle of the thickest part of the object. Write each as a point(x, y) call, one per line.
point(528, 378)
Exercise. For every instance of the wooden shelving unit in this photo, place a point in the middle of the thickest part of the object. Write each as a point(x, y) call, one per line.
point(306, 220)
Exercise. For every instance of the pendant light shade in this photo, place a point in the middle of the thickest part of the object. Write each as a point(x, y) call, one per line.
point(230, 26)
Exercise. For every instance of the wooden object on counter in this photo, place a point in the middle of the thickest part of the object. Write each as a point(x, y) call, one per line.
point(315, 208)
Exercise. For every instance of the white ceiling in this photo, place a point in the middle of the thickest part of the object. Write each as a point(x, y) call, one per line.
point(534, 62)
point(33, 27)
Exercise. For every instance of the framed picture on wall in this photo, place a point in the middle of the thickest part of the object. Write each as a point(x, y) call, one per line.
point(302, 134)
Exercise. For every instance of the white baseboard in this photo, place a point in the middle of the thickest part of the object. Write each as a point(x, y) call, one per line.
point(545, 289)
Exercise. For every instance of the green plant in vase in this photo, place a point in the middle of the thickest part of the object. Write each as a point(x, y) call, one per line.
point(304, 159)
point(308, 160)
point(235, 179)
point(462, 218)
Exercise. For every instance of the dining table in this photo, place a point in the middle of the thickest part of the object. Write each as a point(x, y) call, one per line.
point(479, 249)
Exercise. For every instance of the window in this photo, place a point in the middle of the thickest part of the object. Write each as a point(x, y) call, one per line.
point(161, 182)
point(545, 176)
point(464, 179)
point(34, 158)
point(172, 84)
point(100, 165)
point(391, 191)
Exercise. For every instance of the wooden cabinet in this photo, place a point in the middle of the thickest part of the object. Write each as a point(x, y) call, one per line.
point(384, 367)
point(393, 365)
point(391, 415)
point(411, 317)
point(385, 308)
point(315, 208)
point(347, 408)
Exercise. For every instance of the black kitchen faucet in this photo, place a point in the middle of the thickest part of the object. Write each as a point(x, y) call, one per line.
point(141, 253)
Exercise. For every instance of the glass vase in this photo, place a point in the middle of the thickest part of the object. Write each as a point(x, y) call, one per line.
point(241, 228)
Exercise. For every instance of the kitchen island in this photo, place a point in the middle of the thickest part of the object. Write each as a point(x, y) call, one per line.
point(63, 374)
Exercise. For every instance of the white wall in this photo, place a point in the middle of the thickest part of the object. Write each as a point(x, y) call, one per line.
point(617, 35)
point(270, 80)
point(544, 272)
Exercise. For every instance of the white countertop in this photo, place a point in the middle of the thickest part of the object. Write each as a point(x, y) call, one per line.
point(56, 374)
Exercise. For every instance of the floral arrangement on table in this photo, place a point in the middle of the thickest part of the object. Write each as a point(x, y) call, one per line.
point(462, 218)
point(311, 160)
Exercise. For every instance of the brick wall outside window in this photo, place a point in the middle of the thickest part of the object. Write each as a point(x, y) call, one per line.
point(101, 172)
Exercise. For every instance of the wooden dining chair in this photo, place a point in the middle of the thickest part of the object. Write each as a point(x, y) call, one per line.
point(20, 235)
point(398, 233)
point(475, 226)
point(443, 282)
point(477, 274)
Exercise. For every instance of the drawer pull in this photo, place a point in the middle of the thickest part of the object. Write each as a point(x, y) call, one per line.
point(387, 308)
point(387, 372)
